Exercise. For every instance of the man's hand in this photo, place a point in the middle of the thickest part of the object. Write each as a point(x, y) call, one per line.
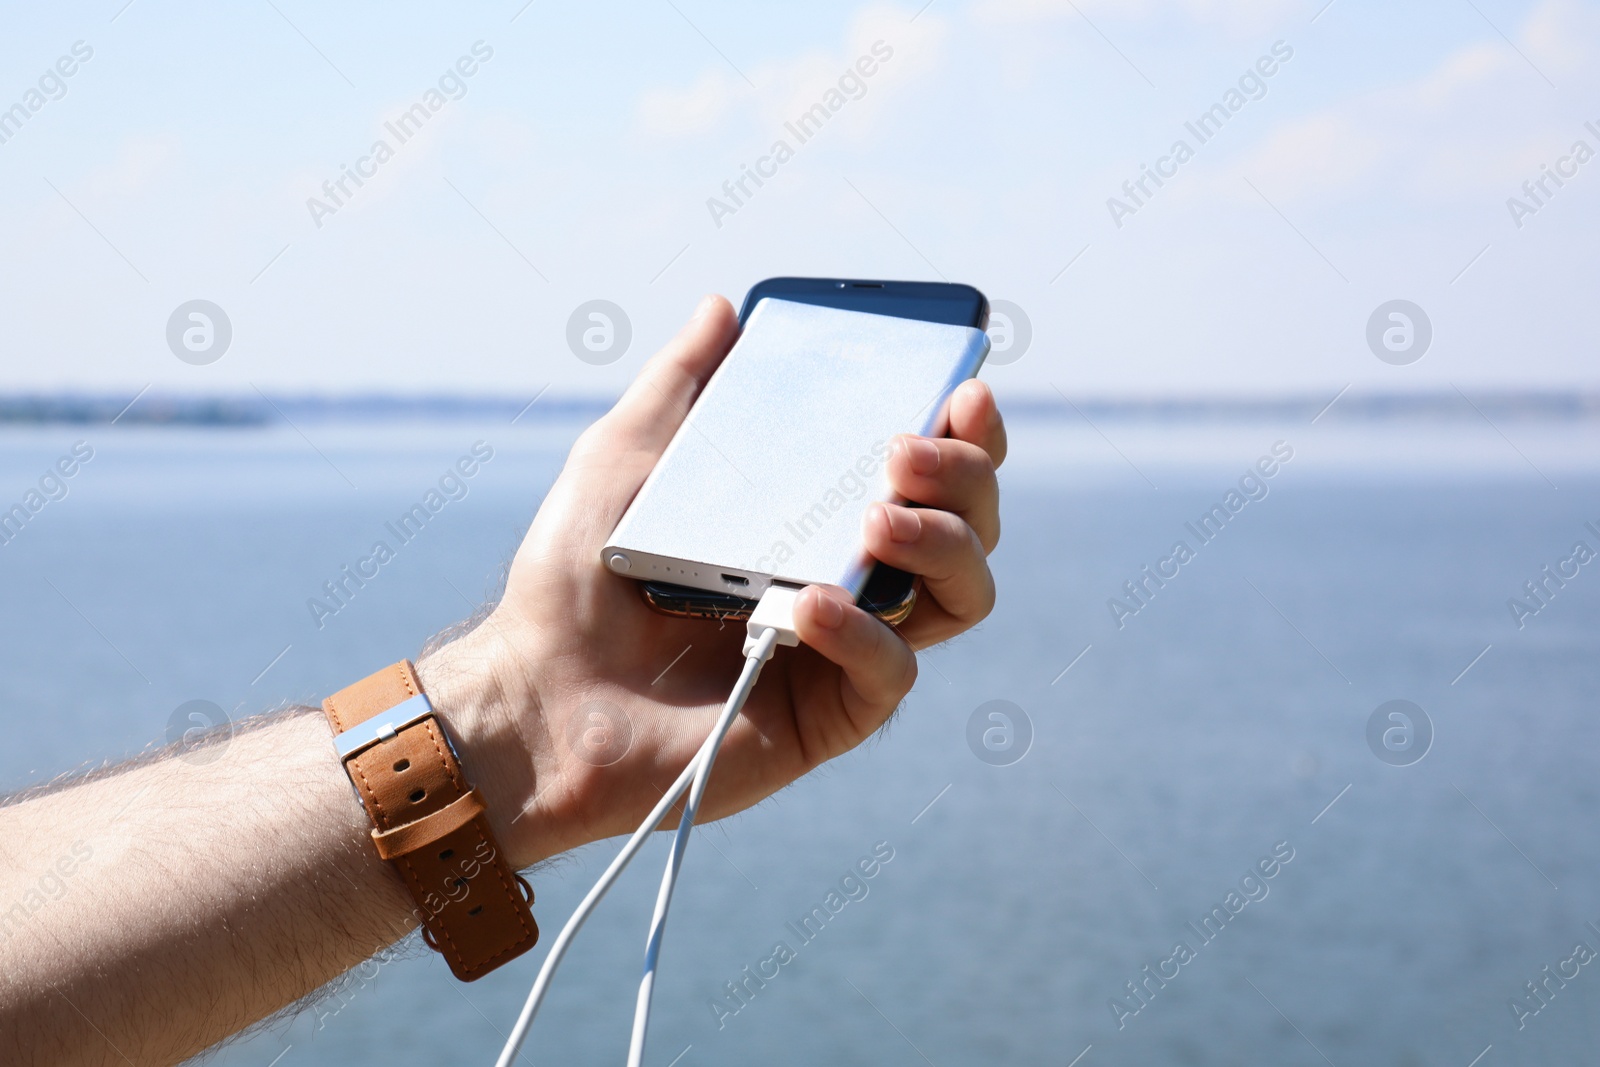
point(208, 894)
point(576, 705)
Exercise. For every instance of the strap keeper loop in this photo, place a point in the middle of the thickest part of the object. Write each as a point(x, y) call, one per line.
point(420, 833)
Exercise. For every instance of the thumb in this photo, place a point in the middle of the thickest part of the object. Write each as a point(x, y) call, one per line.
point(654, 406)
point(615, 455)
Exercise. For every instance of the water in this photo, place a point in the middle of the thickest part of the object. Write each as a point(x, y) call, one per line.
point(1222, 720)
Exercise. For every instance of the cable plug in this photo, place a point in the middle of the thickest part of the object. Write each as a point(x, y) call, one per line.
point(774, 611)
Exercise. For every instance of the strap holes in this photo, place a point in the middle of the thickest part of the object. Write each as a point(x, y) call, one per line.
point(416, 797)
point(447, 853)
point(401, 765)
point(476, 910)
point(461, 883)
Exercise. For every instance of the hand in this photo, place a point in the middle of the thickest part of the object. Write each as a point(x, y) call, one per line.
point(569, 638)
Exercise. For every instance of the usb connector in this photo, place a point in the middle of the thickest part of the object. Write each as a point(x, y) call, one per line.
point(774, 611)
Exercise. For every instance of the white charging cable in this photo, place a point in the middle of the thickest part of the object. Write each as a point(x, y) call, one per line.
point(771, 624)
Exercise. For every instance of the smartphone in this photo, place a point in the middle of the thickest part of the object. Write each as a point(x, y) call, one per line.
point(888, 592)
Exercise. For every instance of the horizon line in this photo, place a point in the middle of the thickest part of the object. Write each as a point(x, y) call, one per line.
point(260, 408)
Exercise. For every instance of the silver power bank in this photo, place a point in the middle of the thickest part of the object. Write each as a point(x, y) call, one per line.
point(770, 475)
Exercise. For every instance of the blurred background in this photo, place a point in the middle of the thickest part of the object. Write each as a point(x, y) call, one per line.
point(1368, 260)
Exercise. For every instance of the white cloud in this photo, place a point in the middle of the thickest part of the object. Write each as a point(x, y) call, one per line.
point(141, 161)
point(668, 112)
point(786, 88)
point(1463, 129)
point(1317, 153)
point(1463, 72)
point(1230, 14)
point(1560, 37)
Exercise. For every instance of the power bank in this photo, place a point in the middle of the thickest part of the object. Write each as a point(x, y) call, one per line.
point(771, 473)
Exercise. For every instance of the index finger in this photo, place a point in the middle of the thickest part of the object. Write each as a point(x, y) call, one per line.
point(975, 418)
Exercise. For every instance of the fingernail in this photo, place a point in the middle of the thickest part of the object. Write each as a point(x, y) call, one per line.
point(905, 525)
point(922, 454)
point(704, 307)
point(829, 612)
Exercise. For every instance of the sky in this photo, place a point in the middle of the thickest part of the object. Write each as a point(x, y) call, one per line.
point(584, 158)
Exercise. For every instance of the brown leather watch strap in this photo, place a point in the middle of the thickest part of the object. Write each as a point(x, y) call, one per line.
point(430, 823)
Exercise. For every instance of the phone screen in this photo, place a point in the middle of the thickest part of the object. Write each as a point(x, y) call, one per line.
point(890, 592)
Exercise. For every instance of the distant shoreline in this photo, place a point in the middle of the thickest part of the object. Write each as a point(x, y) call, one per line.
point(246, 411)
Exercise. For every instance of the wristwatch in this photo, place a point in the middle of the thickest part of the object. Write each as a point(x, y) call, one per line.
point(474, 909)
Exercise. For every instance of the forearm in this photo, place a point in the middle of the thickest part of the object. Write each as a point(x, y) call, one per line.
point(234, 886)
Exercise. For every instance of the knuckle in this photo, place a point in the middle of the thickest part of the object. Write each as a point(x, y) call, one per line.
point(969, 456)
point(893, 674)
point(953, 548)
point(998, 443)
point(598, 437)
point(908, 677)
point(986, 599)
point(987, 527)
point(973, 542)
